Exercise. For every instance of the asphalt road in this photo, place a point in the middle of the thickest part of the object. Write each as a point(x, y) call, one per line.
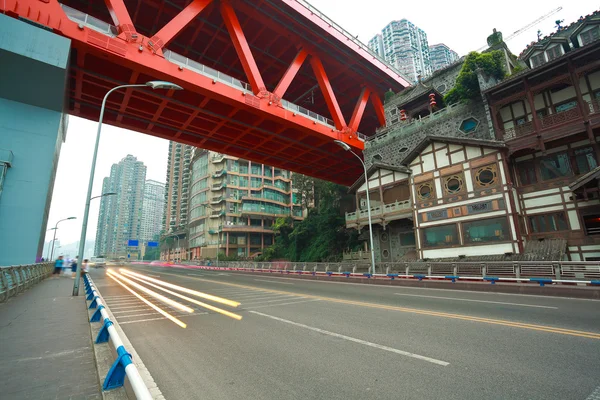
point(302, 339)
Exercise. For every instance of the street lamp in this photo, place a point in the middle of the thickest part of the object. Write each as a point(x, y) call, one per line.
point(150, 84)
point(347, 148)
point(54, 238)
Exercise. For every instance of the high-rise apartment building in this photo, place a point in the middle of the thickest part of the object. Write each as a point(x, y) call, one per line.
point(441, 56)
point(176, 189)
point(234, 203)
point(404, 46)
point(120, 215)
point(152, 210)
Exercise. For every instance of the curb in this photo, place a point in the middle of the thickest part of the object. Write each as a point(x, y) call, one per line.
point(105, 354)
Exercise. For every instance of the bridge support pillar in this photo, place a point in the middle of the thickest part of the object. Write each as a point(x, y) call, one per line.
point(33, 126)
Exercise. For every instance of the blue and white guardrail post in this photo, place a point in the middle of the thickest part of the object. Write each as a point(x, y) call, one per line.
point(123, 365)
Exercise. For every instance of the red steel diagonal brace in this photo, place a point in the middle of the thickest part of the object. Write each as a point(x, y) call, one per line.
point(120, 16)
point(290, 74)
point(359, 109)
point(379, 110)
point(325, 85)
point(242, 48)
point(176, 25)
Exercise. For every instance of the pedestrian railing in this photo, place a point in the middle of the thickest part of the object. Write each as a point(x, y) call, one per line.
point(15, 279)
point(123, 365)
point(563, 272)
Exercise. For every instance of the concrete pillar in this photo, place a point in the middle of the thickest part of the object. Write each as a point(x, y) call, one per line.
point(33, 127)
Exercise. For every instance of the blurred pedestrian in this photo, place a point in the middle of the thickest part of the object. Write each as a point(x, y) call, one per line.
point(58, 266)
point(74, 267)
point(85, 267)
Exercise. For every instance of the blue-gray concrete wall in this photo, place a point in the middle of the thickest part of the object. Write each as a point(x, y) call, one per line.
point(33, 72)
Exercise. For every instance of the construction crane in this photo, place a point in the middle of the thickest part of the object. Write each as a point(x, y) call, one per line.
point(526, 27)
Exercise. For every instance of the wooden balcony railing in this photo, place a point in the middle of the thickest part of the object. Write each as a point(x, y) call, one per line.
point(549, 121)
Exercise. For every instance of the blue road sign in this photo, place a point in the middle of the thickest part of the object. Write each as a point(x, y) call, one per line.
point(152, 244)
point(133, 243)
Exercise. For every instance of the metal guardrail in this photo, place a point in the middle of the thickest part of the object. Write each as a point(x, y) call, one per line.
point(15, 279)
point(570, 272)
point(123, 366)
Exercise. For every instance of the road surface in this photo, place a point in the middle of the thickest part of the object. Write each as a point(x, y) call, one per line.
point(302, 339)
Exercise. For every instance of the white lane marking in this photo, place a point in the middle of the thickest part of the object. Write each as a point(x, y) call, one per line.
point(127, 308)
point(116, 297)
point(355, 340)
point(267, 297)
point(270, 301)
point(156, 276)
point(281, 283)
point(595, 394)
point(158, 319)
point(140, 309)
point(195, 274)
point(475, 301)
point(285, 304)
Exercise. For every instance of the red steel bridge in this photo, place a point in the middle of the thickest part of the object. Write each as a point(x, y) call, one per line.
point(273, 81)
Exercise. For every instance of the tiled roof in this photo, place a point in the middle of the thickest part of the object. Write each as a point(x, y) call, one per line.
point(562, 32)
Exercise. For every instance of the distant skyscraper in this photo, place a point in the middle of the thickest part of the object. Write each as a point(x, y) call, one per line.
point(153, 207)
point(441, 56)
point(176, 190)
point(404, 46)
point(120, 216)
point(376, 44)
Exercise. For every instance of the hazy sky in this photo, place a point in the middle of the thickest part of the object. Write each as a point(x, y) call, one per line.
point(460, 24)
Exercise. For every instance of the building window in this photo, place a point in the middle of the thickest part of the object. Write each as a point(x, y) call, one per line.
point(425, 191)
point(566, 106)
point(585, 159)
point(486, 176)
point(553, 52)
point(453, 184)
point(548, 222)
point(588, 37)
point(468, 125)
point(555, 166)
point(440, 236)
point(592, 224)
point(376, 158)
point(526, 171)
point(487, 230)
point(407, 239)
point(537, 60)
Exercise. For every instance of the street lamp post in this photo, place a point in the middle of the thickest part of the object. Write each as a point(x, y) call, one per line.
point(54, 238)
point(347, 148)
point(151, 84)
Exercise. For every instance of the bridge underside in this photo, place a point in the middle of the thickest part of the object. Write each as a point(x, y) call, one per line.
point(308, 82)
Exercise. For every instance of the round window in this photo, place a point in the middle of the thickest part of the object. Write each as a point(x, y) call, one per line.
point(425, 191)
point(453, 184)
point(486, 176)
point(384, 237)
point(385, 253)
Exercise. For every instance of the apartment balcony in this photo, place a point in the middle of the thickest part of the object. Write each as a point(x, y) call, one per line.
point(217, 214)
point(216, 200)
point(245, 228)
point(380, 214)
point(553, 125)
point(218, 186)
point(217, 158)
point(219, 173)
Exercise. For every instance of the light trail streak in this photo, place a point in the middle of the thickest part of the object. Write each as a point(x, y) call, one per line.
point(206, 296)
point(160, 310)
point(201, 304)
point(158, 296)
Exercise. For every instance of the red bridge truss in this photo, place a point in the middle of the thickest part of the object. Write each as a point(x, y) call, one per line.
point(309, 81)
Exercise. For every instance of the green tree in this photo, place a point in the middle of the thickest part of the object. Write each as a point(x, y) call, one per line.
point(467, 84)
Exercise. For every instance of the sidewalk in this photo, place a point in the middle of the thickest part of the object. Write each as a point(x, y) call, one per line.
point(45, 346)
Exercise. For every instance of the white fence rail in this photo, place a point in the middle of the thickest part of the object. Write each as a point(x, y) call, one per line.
point(123, 366)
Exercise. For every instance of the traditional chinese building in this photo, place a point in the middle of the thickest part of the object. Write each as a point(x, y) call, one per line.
point(490, 179)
